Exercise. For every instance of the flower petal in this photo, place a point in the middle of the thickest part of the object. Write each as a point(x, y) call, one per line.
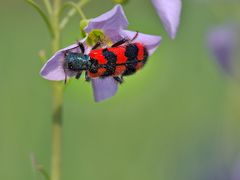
point(151, 42)
point(169, 12)
point(104, 88)
point(236, 170)
point(113, 20)
point(221, 42)
point(53, 68)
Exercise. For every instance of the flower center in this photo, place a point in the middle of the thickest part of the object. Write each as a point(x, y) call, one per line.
point(97, 35)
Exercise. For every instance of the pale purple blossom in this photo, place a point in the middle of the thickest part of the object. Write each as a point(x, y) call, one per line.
point(221, 42)
point(223, 171)
point(169, 12)
point(236, 169)
point(113, 23)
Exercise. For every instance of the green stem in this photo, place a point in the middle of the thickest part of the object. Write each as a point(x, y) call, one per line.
point(72, 12)
point(76, 7)
point(48, 6)
point(57, 131)
point(42, 14)
point(57, 101)
point(55, 24)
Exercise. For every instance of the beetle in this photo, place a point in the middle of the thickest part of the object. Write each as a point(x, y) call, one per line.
point(123, 58)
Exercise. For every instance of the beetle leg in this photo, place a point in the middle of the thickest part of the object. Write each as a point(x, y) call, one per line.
point(78, 75)
point(99, 43)
point(118, 79)
point(82, 48)
point(65, 53)
point(65, 78)
point(136, 35)
point(125, 40)
point(87, 78)
point(120, 42)
point(80, 45)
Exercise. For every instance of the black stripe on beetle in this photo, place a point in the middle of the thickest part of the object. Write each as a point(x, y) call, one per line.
point(94, 66)
point(111, 62)
point(131, 53)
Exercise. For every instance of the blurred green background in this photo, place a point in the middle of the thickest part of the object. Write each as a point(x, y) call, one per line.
point(177, 119)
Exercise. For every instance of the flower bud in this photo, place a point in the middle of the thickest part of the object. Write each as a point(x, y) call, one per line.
point(83, 24)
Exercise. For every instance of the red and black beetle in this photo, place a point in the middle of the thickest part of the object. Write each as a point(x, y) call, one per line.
point(123, 58)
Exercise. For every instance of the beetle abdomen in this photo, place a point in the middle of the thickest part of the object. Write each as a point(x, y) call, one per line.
point(116, 61)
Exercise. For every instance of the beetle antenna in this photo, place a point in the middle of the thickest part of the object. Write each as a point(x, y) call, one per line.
point(65, 74)
point(81, 47)
point(65, 80)
point(135, 36)
point(64, 67)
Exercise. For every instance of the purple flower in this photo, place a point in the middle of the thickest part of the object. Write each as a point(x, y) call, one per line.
point(113, 23)
point(236, 170)
point(223, 171)
point(221, 42)
point(169, 12)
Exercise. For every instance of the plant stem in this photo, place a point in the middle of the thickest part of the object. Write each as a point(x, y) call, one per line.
point(55, 24)
point(77, 8)
point(57, 130)
point(48, 6)
point(72, 12)
point(57, 101)
point(43, 15)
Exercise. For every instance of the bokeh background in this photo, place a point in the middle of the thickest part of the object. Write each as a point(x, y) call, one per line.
point(177, 119)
